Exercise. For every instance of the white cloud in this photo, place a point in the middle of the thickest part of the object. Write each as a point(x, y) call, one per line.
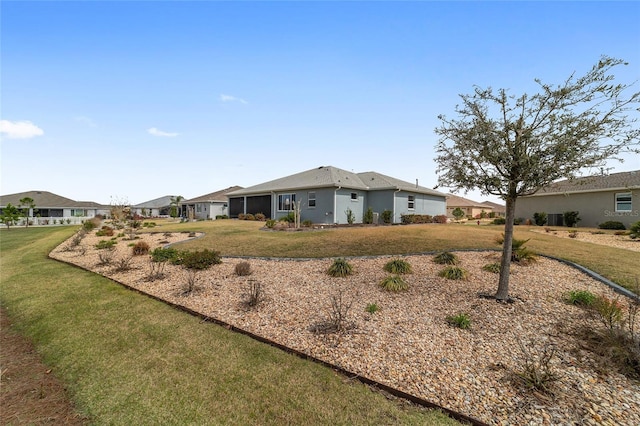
point(229, 98)
point(155, 132)
point(86, 120)
point(19, 129)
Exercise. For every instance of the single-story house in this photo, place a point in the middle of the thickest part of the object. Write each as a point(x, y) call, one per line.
point(471, 209)
point(499, 210)
point(325, 195)
point(609, 197)
point(209, 206)
point(160, 207)
point(50, 207)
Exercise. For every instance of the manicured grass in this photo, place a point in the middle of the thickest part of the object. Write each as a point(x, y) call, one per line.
point(128, 359)
point(244, 238)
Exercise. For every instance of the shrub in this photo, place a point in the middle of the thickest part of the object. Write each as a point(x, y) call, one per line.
point(620, 233)
point(105, 257)
point(105, 244)
point(540, 218)
point(386, 216)
point(289, 218)
point(453, 273)
point(249, 216)
point(441, 218)
point(460, 320)
point(446, 258)
point(519, 253)
point(612, 224)
point(518, 220)
point(200, 260)
point(242, 216)
point(243, 269)
point(222, 216)
point(270, 223)
point(89, 225)
point(351, 217)
point(537, 371)
point(394, 283)
point(140, 248)
point(307, 223)
point(580, 298)
point(398, 266)
point(340, 268)
point(105, 231)
point(123, 264)
point(492, 267)
point(159, 258)
point(609, 312)
point(407, 219)
point(260, 217)
point(634, 230)
point(499, 221)
point(337, 319)
point(367, 217)
point(253, 294)
point(571, 218)
point(372, 308)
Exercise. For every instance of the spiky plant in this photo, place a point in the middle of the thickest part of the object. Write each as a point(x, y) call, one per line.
point(394, 283)
point(398, 266)
point(340, 268)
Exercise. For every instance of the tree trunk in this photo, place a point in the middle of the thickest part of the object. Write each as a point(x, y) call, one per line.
point(505, 264)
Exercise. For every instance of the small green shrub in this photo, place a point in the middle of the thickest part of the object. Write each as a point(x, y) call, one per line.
point(540, 218)
point(634, 230)
point(492, 267)
point(580, 298)
point(499, 221)
point(289, 218)
point(386, 216)
point(398, 266)
point(446, 258)
point(571, 218)
point(105, 244)
point(351, 217)
point(89, 225)
point(163, 254)
point(453, 273)
point(243, 269)
point(222, 216)
point(460, 320)
point(372, 308)
point(270, 223)
point(340, 268)
point(612, 224)
point(367, 217)
point(307, 223)
point(140, 248)
point(394, 283)
point(200, 260)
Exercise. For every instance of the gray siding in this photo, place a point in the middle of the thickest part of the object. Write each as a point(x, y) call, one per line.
point(594, 207)
point(344, 202)
point(423, 204)
point(380, 201)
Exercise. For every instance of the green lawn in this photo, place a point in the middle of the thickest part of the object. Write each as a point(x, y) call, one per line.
point(128, 359)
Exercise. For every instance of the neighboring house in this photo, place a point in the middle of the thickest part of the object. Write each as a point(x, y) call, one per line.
point(597, 198)
point(325, 194)
point(50, 207)
point(471, 209)
point(210, 205)
point(499, 210)
point(160, 207)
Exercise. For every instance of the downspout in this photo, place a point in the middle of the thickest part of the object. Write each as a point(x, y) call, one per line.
point(394, 204)
point(335, 204)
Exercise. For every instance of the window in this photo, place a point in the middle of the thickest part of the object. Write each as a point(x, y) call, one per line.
point(77, 213)
point(412, 202)
point(198, 208)
point(286, 202)
point(312, 199)
point(354, 196)
point(623, 202)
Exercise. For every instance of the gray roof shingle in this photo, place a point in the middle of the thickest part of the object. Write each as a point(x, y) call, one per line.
point(218, 196)
point(45, 199)
point(333, 177)
point(613, 181)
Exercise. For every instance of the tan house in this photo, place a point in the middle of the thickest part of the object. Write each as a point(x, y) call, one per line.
point(472, 209)
point(499, 210)
point(208, 206)
point(610, 197)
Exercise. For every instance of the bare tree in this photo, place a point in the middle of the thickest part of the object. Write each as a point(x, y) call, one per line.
point(512, 146)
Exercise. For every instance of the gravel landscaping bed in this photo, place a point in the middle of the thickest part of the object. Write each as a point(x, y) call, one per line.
point(408, 343)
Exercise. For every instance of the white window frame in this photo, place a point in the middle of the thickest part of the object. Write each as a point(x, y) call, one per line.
point(281, 202)
point(411, 202)
point(623, 198)
point(311, 200)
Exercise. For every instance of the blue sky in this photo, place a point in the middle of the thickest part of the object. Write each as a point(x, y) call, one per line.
point(137, 100)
